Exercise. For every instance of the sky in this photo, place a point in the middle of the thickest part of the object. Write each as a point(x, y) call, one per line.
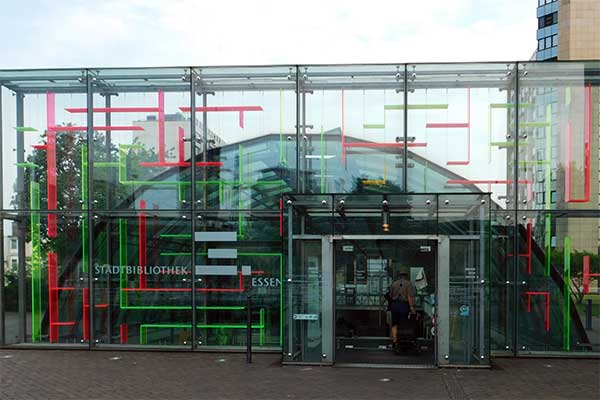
point(103, 33)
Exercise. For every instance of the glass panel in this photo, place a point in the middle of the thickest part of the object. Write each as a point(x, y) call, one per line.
point(351, 129)
point(42, 141)
point(558, 282)
point(142, 279)
point(303, 333)
point(556, 149)
point(502, 280)
point(459, 128)
point(312, 214)
point(245, 136)
point(466, 220)
point(238, 254)
point(141, 153)
point(307, 327)
point(11, 300)
point(48, 278)
point(386, 214)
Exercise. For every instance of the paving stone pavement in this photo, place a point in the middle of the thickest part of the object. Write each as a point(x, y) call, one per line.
point(71, 374)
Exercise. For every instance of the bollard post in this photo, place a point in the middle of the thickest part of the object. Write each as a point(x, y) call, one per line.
point(588, 314)
point(249, 329)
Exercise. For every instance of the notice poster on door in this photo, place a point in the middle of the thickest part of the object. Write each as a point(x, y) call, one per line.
point(360, 274)
point(373, 267)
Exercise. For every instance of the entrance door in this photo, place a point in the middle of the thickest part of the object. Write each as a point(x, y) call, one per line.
point(335, 311)
point(365, 267)
point(342, 252)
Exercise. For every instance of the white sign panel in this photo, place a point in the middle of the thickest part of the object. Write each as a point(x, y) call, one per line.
point(306, 317)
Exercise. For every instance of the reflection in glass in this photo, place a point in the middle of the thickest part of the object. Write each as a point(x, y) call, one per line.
point(276, 157)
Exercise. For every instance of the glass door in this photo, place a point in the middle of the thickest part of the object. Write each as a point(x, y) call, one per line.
point(364, 270)
point(309, 299)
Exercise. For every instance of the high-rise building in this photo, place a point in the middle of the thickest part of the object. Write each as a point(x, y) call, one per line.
point(547, 32)
point(568, 30)
point(578, 29)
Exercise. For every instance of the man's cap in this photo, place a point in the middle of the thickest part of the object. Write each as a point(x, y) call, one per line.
point(404, 270)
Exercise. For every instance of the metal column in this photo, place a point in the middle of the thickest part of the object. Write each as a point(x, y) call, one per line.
point(515, 224)
point(405, 137)
point(327, 300)
point(303, 143)
point(204, 147)
point(88, 205)
point(21, 225)
point(108, 142)
point(298, 187)
point(289, 280)
point(193, 198)
point(443, 301)
point(483, 280)
point(2, 315)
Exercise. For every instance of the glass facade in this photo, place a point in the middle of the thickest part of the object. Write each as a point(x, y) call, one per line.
point(141, 206)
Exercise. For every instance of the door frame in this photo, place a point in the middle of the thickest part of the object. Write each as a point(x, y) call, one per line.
point(442, 290)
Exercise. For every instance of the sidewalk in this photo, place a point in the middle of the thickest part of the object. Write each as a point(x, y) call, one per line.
point(58, 374)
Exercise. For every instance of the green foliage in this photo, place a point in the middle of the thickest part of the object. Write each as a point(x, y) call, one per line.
point(557, 259)
point(222, 337)
point(72, 184)
point(70, 174)
point(11, 287)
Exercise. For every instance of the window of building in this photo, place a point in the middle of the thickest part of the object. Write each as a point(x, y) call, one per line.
point(541, 44)
point(540, 175)
point(539, 133)
point(540, 109)
point(13, 264)
point(13, 244)
point(554, 40)
point(547, 20)
point(540, 154)
point(548, 42)
point(539, 197)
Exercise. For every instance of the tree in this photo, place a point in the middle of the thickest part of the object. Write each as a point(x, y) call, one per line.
point(557, 258)
point(71, 176)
